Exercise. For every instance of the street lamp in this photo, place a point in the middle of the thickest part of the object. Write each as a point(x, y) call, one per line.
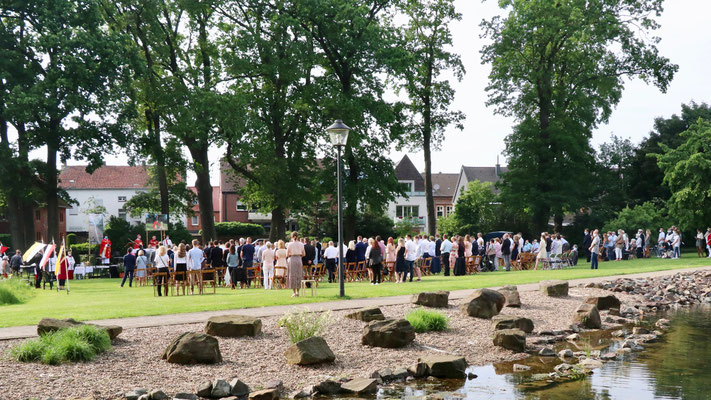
point(338, 133)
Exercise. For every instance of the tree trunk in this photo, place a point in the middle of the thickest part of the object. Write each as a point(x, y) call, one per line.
point(52, 202)
point(201, 166)
point(278, 225)
point(426, 139)
point(558, 222)
point(153, 122)
point(27, 205)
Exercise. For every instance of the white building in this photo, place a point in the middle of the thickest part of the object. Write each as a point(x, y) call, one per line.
point(109, 186)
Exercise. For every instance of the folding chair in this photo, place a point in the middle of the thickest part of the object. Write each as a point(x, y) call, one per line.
point(426, 266)
point(163, 278)
point(279, 279)
point(208, 277)
point(178, 280)
point(195, 277)
point(361, 270)
point(516, 264)
point(221, 271)
point(253, 274)
point(351, 271)
point(390, 267)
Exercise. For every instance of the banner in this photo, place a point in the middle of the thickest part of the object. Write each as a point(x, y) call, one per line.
point(96, 228)
point(34, 249)
point(156, 222)
point(47, 253)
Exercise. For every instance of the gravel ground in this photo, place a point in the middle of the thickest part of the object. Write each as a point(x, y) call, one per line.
point(135, 359)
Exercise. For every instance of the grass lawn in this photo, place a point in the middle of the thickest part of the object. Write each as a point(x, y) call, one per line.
point(103, 298)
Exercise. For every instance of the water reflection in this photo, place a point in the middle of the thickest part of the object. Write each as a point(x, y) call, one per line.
point(676, 368)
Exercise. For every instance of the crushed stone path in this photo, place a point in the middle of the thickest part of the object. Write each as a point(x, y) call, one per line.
point(26, 331)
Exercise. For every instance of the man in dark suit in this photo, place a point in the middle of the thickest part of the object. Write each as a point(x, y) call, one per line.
point(506, 251)
point(216, 257)
point(206, 252)
point(587, 241)
point(437, 260)
point(360, 249)
point(309, 254)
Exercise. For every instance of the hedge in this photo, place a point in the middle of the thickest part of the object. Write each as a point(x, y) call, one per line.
point(83, 248)
point(236, 229)
point(6, 239)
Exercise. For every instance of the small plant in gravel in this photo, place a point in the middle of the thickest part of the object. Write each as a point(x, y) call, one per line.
point(425, 321)
point(77, 344)
point(304, 324)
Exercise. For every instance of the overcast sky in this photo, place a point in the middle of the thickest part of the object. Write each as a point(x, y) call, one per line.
point(685, 40)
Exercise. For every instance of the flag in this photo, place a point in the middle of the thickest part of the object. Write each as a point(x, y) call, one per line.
point(3, 249)
point(59, 259)
point(47, 251)
point(32, 251)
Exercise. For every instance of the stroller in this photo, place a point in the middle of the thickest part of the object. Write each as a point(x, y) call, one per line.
point(665, 250)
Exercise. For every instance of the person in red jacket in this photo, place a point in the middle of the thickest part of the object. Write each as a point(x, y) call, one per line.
point(105, 250)
point(138, 243)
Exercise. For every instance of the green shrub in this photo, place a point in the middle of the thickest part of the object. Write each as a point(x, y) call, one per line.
point(79, 249)
point(97, 338)
point(425, 321)
point(71, 239)
point(179, 233)
point(78, 344)
point(29, 350)
point(303, 324)
point(237, 229)
point(14, 291)
point(6, 239)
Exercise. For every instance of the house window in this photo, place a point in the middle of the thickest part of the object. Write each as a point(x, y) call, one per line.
point(74, 211)
point(440, 211)
point(241, 207)
point(37, 215)
point(407, 211)
point(122, 214)
point(449, 210)
point(194, 221)
point(122, 199)
point(406, 187)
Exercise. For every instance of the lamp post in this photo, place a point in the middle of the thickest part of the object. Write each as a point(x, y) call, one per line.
point(338, 133)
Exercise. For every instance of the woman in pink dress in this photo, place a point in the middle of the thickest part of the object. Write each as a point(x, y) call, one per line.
point(453, 253)
point(295, 273)
point(467, 246)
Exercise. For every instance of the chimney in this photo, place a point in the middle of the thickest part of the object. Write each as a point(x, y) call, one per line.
point(498, 167)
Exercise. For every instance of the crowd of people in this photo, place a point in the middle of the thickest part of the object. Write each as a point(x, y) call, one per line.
point(406, 256)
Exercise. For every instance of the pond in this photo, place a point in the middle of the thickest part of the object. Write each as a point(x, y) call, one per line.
point(678, 367)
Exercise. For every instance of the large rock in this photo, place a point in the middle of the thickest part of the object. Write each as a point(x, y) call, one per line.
point(588, 316)
point(233, 326)
point(360, 386)
point(49, 325)
point(328, 388)
point(220, 389)
point(392, 333)
point(445, 367)
point(135, 394)
point(511, 339)
point(484, 303)
point(554, 288)
point(512, 322)
point(193, 348)
point(604, 302)
point(512, 297)
point(238, 388)
point(266, 394)
point(313, 350)
point(367, 314)
point(438, 299)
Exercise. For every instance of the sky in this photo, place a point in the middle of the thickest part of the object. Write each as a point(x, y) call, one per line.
point(685, 41)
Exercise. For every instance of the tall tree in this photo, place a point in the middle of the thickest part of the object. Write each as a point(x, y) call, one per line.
point(644, 173)
point(79, 67)
point(686, 172)
point(558, 67)
point(272, 61)
point(426, 41)
point(353, 43)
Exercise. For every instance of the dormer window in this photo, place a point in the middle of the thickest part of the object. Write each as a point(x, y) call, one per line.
point(406, 186)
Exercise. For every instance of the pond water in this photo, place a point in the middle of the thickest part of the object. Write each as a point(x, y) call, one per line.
point(678, 367)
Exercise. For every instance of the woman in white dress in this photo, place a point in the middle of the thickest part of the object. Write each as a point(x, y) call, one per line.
point(268, 265)
point(542, 253)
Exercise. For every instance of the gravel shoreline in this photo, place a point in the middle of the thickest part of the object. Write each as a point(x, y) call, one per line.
point(135, 359)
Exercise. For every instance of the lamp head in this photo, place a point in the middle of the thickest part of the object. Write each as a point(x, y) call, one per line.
point(338, 133)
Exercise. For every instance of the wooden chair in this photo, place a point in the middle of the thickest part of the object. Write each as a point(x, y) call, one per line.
point(527, 260)
point(221, 271)
point(476, 267)
point(516, 264)
point(253, 273)
point(178, 280)
point(163, 278)
point(469, 264)
point(351, 271)
point(390, 266)
point(318, 271)
point(426, 268)
point(279, 280)
point(195, 276)
point(149, 274)
point(208, 277)
point(361, 270)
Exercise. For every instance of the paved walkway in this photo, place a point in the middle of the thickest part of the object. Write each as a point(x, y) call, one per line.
point(18, 332)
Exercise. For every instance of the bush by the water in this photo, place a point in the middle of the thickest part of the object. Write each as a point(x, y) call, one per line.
point(77, 344)
point(14, 291)
point(426, 321)
point(303, 324)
